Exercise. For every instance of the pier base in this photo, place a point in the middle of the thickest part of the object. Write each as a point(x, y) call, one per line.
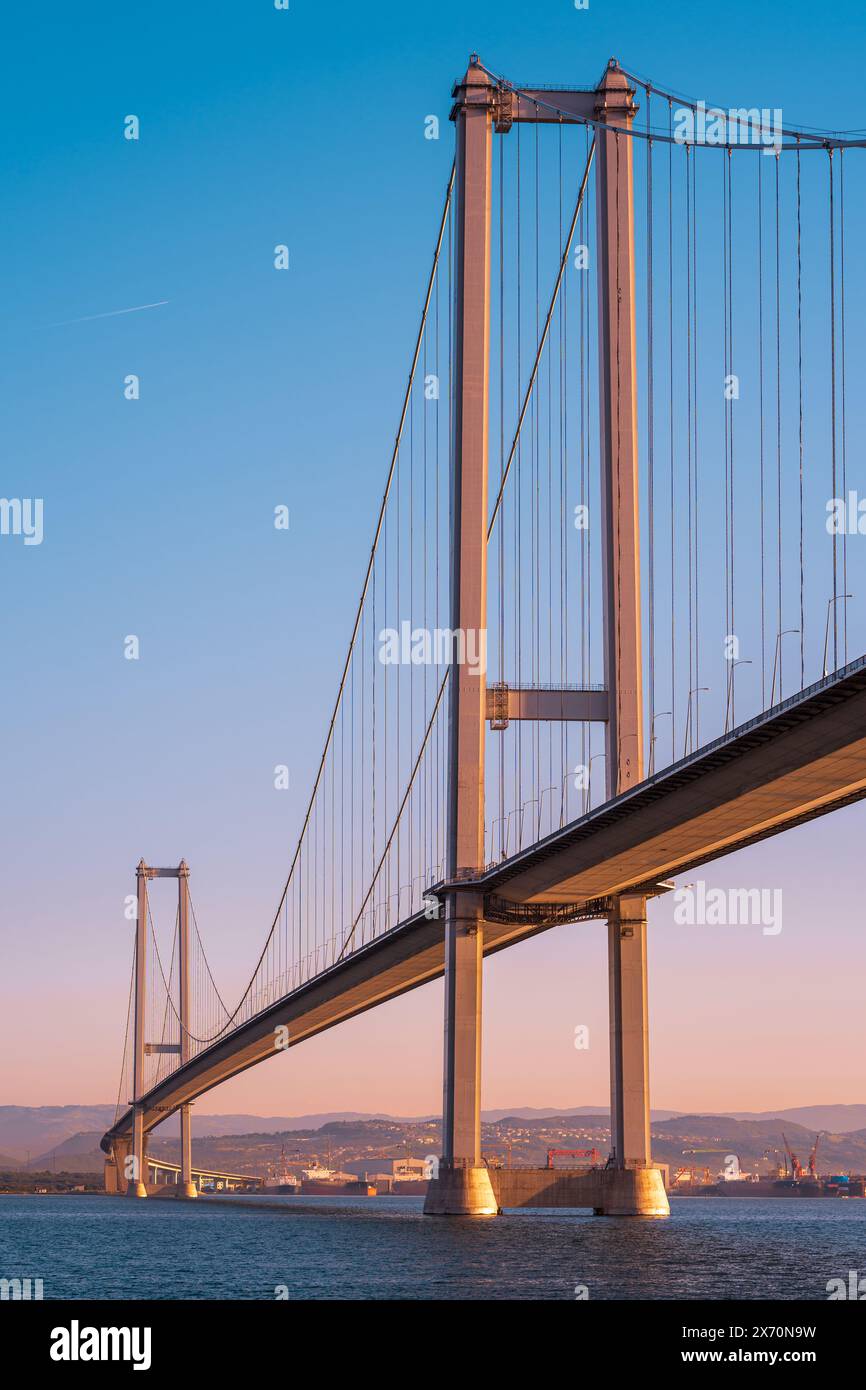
point(605, 1191)
point(635, 1192)
point(169, 1191)
point(461, 1192)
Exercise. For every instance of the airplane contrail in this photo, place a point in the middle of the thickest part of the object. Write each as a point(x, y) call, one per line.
point(112, 313)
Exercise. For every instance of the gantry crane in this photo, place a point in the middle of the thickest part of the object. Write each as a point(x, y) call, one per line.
point(796, 1165)
point(813, 1171)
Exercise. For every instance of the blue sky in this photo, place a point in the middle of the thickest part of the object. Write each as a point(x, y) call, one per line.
point(261, 127)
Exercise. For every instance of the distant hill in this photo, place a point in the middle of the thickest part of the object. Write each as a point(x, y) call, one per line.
point(40, 1130)
point(36, 1128)
point(700, 1141)
point(529, 1112)
point(80, 1153)
point(842, 1119)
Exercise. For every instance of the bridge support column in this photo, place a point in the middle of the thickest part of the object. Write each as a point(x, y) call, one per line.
point(116, 1168)
point(137, 1178)
point(188, 1187)
point(463, 1185)
point(639, 1191)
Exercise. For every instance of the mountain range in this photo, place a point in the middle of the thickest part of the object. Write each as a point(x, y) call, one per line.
point(44, 1135)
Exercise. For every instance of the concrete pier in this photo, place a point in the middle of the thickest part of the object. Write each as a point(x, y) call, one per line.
point(605, 1191)
point(462, 1191)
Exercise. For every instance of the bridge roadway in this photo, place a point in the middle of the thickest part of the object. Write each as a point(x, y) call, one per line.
point(170, 1183)
point(805, 757)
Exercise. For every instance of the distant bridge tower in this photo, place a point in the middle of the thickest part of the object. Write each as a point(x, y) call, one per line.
point(135, 1172)
point(463, 1186)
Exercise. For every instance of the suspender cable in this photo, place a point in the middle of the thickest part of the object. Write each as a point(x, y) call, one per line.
point(542, 340)
point(779, 643)
point(833, 399)
point(694, 235)
point(368, 579)
point(671, 430)
point(842, 402)
point(726, 241)
point(800, 419)
point(731, 412)
point(400, 809)
point(563, 508)
point(760, 164)
point(650, 439)
point(500, 743)
point(691, 616)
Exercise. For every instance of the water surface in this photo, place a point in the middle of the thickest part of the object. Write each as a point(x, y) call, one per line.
point(384, 1248)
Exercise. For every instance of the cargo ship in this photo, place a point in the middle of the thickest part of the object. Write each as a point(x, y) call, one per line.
point(280, 1178)
point(324, 1182)
point(840, 1185)
point(409, 1187)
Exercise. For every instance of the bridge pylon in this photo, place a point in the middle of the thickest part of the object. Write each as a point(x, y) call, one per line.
point(627, 946)
point(136, 1179)
point(632, 1185)
point(130, 1164)
point(463, 1186)
point(188, 1187)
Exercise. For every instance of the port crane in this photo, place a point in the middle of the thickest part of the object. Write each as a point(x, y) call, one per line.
point(773, 1158)
point(796, 1165)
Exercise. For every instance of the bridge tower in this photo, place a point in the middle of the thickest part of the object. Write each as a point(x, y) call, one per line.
point(136, 1179)
point(463, 1186)
point(627, 923)
point(188, 1187)
point(136, 1184)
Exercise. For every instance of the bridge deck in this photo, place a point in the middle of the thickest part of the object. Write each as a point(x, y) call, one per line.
point(802, 759)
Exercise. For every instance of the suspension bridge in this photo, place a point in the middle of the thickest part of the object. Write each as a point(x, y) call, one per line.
point(608, 629)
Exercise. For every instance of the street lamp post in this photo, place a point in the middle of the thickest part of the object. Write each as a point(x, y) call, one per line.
point(777, 661)
point(698, 690)
point(830, 603)
point(729, 704)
